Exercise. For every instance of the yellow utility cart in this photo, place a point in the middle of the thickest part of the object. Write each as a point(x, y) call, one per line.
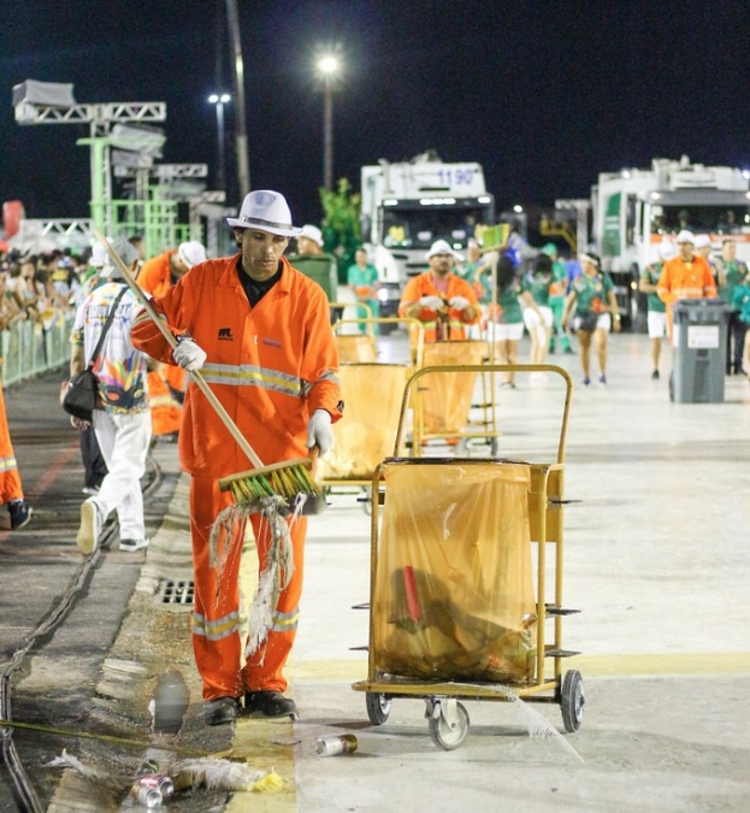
point(461, 553)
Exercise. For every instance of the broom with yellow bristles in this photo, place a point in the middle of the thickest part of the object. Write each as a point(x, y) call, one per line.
point(291, 480)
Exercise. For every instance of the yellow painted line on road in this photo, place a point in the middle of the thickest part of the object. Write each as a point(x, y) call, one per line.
point(642, 665)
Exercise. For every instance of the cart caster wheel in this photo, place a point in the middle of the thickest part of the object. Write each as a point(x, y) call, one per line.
point(446, 736)
point(493, 447)
point(378, 707)
point(572, 700)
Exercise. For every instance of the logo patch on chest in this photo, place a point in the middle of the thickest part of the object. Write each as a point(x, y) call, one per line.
point(225, 334)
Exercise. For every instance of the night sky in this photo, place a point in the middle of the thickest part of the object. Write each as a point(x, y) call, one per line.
point(544, 94)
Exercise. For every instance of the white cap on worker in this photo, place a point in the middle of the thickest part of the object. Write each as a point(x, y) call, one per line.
point(265, 210)
point(443, 247)
point(127, 253)
point(686, 236)
point(191, 253)
point(312, 233)
point(702, 240)
point(98, 254)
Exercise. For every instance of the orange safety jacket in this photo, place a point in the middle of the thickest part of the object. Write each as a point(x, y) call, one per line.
point(271, 365)
point(10, 479)
point(424, 285)
point(677, 281)
point(155, 278)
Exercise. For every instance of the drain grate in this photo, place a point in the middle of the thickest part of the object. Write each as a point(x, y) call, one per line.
point(177, 591)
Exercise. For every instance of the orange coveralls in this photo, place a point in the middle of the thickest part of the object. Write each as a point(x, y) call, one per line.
point(681, 280)
point(271, 366)
point(10, 479)
point(155, 278)
point(424, 285)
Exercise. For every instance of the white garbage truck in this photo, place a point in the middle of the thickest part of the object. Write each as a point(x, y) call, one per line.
point(635, 209)
point(406, 206)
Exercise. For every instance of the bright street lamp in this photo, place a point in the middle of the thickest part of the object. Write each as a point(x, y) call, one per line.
point(220, 99)
point(328, 67)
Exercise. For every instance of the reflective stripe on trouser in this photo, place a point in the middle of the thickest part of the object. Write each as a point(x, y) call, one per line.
point(123, 441)
point(218, 641)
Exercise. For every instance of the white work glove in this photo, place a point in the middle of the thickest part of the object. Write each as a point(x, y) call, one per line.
point(459, 303)
point(434, 303)
point(189, 355)
point(319, 432)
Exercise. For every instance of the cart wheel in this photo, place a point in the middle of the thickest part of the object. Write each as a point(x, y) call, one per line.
point(378, 707)
point(572, 700)
point(366, 498)
point(447, 737)
point(671, 386)
point(493, 447)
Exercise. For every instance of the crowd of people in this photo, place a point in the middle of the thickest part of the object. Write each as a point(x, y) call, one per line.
point(553, 301)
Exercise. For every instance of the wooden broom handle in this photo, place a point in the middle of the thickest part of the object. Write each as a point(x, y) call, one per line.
point(167, 333)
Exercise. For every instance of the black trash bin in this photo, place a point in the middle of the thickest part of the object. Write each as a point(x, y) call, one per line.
point(699, 338)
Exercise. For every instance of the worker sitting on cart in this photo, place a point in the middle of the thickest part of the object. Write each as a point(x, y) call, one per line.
point(444, 302)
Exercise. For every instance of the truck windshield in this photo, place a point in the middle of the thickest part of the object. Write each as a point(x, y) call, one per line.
point(701, 219)
point(418, 226)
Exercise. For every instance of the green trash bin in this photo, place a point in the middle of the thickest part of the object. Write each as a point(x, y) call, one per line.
point(699, 338)
point(323, 268)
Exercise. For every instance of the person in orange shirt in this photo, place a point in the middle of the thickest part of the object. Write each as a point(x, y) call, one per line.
point(260, 332)
point(686, 276)
point(445, 303)
point(166, 386)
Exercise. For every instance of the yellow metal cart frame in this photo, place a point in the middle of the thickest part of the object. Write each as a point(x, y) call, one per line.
point(483, 427)
point(362, 481)
point(448, 719)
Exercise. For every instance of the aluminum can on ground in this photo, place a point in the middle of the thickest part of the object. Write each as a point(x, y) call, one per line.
point(332, 746)
point(145, 796)
point(160, 781)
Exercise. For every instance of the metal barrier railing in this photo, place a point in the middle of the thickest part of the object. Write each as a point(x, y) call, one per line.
point(30, 348)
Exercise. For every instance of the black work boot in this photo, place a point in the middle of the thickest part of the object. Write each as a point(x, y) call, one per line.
point(269, 704)
point(221, 711)
point(20, 514)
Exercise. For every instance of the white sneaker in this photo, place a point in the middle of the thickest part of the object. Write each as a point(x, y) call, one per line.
point(132, 545)
point(91, 525)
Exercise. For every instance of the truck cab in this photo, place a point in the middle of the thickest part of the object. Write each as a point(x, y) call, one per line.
point(635, 210)
point(407, 206)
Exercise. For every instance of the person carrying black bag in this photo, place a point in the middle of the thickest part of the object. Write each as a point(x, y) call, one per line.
point(122, 419)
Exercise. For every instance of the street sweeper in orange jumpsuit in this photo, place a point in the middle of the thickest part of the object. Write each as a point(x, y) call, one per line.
point(259, 332)
point(166, 386)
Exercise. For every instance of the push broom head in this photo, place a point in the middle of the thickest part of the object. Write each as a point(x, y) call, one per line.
point(291, 480)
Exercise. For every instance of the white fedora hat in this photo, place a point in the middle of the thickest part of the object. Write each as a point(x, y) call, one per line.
point(265, 210)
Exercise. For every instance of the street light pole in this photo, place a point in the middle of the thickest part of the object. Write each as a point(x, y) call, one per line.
point(220, 99)
point(327, 134)
point(328, 67)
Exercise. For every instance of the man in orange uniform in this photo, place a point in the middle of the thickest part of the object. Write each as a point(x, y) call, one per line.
point(166, 387)
point(259, 330)
point(686, 276)
point(444, 302)
point(11, 490)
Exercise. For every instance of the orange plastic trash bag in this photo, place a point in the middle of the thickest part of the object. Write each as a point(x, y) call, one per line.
point(446, 397)
point(372, 394)
point(453, 597)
